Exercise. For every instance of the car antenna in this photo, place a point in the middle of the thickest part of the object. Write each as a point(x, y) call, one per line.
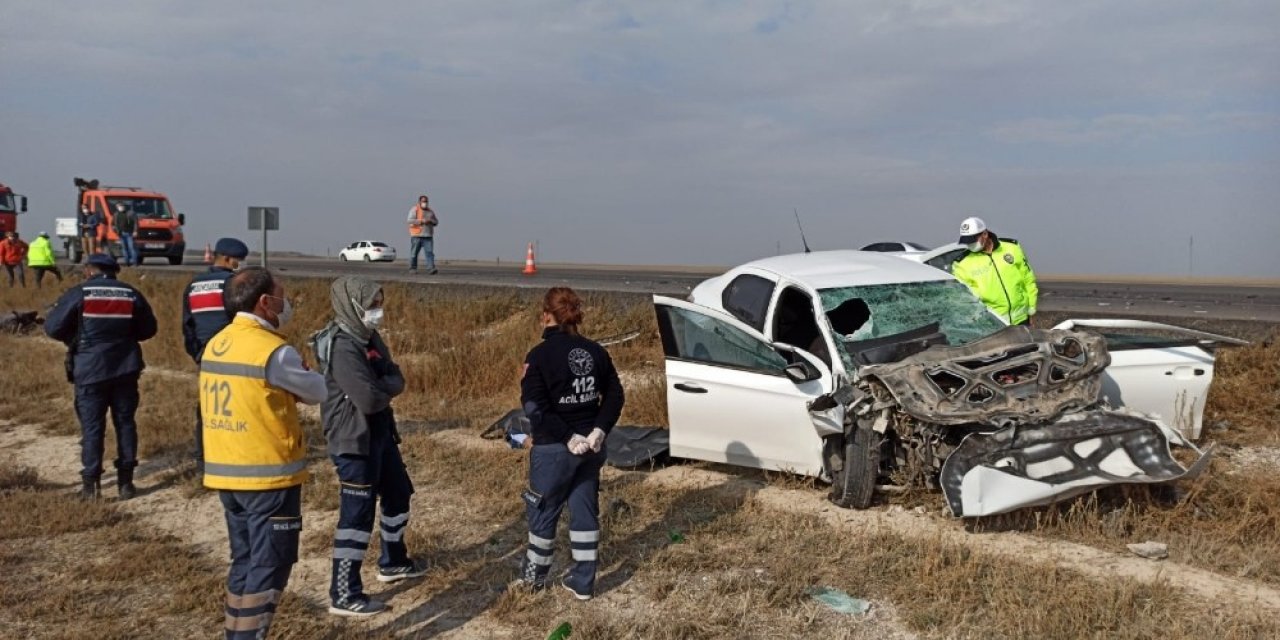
point(802, 240)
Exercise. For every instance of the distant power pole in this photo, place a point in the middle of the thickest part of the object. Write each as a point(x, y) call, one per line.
point(1191, 257)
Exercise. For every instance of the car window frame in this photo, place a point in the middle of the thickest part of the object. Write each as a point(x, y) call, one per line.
point(765, 311)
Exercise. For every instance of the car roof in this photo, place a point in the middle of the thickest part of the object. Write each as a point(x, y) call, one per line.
point(845, 268)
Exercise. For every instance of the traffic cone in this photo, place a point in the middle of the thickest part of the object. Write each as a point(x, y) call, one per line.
point(529, 267)
point(208, 254)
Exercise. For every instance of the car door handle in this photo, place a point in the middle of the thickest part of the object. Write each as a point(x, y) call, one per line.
point(689, 388)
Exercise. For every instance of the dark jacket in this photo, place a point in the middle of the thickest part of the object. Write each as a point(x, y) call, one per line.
point(102, 320)
point(361, 379)
point(89, 224)
point(203, 312)
point(569, 386)
point(126, 222)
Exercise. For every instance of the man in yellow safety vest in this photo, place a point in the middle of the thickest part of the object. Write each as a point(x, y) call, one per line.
point(997, 271)
point(254, 449)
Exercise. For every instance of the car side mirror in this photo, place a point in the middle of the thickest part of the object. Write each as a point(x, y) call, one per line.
point(23, 202)
point(801, 372)
point(182, 219)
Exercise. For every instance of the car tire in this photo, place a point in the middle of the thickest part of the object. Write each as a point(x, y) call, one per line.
point(342, 257)
point(855, 485)
point(173, 260)
point(367, 258)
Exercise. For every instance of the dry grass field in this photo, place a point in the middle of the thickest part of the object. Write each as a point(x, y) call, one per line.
point(689, 551)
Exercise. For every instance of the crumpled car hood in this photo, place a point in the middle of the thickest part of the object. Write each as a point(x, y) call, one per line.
point(1018, 375)
point(1039, 390)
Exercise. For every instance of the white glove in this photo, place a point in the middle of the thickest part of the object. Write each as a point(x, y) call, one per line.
point(578, 445)
point(596, 439)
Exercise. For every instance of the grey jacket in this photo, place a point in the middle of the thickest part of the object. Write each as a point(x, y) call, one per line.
point(361, 381)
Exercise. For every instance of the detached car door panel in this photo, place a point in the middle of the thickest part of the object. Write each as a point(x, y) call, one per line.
point(728, 399)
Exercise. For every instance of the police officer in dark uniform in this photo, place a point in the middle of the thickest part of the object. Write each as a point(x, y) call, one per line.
point(101, 321)
point(203, 312)
point(571, 393)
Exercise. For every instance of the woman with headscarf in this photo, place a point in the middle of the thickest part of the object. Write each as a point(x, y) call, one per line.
point(360, 428)
point(572, 396)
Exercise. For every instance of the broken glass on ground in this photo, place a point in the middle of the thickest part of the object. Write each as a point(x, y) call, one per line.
point(839, 601)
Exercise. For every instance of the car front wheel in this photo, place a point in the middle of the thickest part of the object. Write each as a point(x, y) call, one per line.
point(855, 485)
point(342, 257)
point(367, 258)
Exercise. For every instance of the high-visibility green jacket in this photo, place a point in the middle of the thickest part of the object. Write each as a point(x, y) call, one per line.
point(40, 253)
point(1003, 280)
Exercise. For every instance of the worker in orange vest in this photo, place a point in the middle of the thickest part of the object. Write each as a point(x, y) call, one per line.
point(422, 230)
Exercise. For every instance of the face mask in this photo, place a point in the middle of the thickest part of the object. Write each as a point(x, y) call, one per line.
point(974, 246)
point(285, 314)
point(371, 318)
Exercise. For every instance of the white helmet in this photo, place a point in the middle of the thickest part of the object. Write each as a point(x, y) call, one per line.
point(970, 229)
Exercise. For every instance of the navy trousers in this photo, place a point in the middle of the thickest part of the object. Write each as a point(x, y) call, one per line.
point(362, 481)
point(558, 478)
point(120, 395)
point(263, 528)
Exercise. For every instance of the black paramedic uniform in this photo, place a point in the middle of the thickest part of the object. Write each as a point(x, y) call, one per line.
point(569, 387)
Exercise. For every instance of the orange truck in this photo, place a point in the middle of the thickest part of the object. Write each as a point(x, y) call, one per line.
point(11, 204)
point(159, 232)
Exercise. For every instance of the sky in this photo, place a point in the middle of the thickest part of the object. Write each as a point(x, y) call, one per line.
point(1137, 137)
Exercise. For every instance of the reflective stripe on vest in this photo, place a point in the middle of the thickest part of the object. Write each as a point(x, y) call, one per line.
point(252, 437)
point(254, 470)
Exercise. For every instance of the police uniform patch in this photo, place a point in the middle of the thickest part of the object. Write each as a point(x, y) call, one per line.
point(580, 362)
point(1008, 257)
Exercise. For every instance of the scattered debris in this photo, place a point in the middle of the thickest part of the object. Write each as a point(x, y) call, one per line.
point(618, 506)
point(619, 339)
point(840, 601)
point(1150, 550)
point(21, 322)
point(561, 632)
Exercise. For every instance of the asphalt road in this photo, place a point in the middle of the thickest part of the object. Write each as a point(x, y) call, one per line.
point(1230, 302)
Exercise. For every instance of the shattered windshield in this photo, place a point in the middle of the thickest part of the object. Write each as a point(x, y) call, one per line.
point(143, 207)
point(862, 313)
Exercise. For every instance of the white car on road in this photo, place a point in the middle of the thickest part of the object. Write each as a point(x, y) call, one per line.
point(861, 367)
point(368, 251)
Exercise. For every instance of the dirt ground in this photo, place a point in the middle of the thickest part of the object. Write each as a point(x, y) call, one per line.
point(689, 550)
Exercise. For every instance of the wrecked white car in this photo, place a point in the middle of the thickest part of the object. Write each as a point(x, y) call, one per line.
point(861, 368)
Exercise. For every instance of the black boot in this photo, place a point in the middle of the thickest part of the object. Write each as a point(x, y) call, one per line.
point(89, 489)
point(124, 482)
